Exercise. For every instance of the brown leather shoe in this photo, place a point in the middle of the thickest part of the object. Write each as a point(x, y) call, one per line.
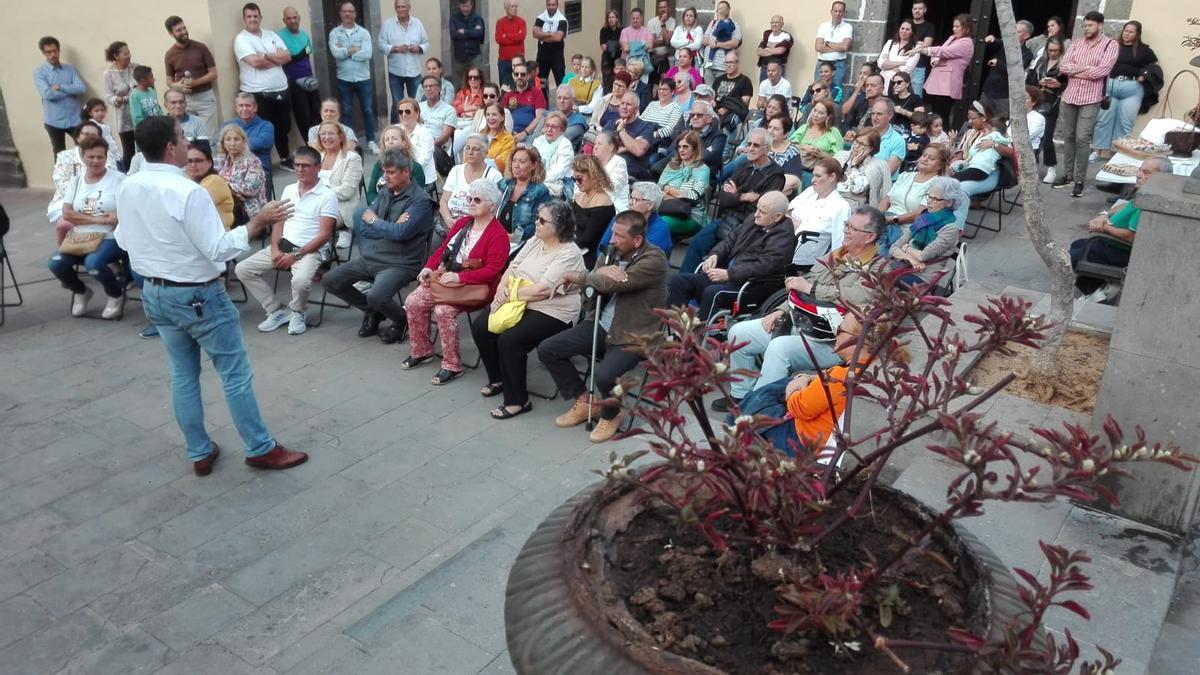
point(278, 458)
point(204, 466)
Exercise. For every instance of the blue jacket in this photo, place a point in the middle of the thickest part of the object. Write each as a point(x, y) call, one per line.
point(526, 208)
point(469, 44)
point(390, 242)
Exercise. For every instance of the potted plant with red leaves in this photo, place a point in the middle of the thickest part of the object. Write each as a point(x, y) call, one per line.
point(729, 555)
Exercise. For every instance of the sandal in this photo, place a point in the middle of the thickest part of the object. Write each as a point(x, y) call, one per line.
point(503, 413)
point(444, 376)
point(491, 389)
point(414, 361)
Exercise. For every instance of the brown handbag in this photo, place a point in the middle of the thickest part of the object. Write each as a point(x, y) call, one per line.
point(81, 243)
point(1183, 141)
point(467, 296)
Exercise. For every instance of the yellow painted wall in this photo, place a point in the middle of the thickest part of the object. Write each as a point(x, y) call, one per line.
point(755, 17)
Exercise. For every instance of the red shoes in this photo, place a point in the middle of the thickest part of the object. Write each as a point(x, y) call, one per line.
point(277, 459)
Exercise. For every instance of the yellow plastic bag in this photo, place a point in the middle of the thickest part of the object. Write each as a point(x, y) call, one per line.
point(509, 314)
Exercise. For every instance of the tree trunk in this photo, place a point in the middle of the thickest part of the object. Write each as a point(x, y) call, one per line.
point(1043, 364)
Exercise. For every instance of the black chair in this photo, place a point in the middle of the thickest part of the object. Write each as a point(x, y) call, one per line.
point(1007, 181)
point(6, 264)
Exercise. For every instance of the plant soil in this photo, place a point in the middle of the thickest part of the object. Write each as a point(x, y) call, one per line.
point(715, 608)
point(1081, 360)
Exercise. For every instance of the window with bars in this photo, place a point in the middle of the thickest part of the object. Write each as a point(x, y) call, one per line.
point(573, 9)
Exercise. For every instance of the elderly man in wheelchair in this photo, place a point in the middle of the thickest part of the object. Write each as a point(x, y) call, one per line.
point(1100, 260)
point(807, 311)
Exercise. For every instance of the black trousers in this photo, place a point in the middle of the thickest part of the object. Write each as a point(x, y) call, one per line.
point(1049, 157)
point(58, 138)
point(506, 355)
point(611, 363)
point(128, 150)
point(276, 108)
point(306, 107)
point(551, 63)
point(943, 106)
point(1100, 253)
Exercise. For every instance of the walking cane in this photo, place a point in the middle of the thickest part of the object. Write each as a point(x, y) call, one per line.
point(608, 256)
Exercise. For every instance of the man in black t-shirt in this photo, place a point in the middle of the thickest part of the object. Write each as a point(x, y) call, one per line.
point(923, 33)
point(733, 91)
point(635, 136)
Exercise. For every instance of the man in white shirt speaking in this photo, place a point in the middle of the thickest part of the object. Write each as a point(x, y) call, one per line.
point(175, 239)
point(300, 246)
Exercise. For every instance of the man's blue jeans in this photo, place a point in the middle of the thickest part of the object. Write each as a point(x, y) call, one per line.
point(400, 87)
point(347, 92)
point(918, 80)
point(214, 325)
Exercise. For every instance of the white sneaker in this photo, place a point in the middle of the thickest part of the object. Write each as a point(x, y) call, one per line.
point(372, 148)
point(1093, 157)
point(274, 320)
point(363, 286)
point(297, 324)
point(113, 308)
point(343, 240)
point(1051, 176)
point(79, 303)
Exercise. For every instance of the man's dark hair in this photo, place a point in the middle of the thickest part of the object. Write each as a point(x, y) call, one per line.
point(633, 220)
point(875, 219)
point(141, 72)
point(153, 134)
point(1095, 17)
point(562, 219)
point(171, 22)
point(48, 41)
point(89, 142)
point(307, 151)
point(89, 123)
point(427, 78)
point(395, 158)
point(251, 5)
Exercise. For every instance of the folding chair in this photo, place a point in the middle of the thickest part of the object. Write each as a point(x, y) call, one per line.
point(1007, 181)
point(6, 264)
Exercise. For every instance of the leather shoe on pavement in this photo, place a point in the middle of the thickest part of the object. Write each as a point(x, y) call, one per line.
point(278, 458)
point(204, 466)
point(370, 324)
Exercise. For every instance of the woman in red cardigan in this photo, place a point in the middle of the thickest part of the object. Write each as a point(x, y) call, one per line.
point(474, 252)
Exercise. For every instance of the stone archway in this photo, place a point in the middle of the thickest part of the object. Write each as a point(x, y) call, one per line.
point(12, 172)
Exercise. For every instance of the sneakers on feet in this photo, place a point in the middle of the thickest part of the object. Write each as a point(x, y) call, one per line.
point(722, 404)
point(274, 320)
point(297, 323)
point(1050, 176)
point(286, 165)
point(1077, 190)
point(149, 332)
point(363, 286)
point(1093, 157)
point(343, 240)
point(79, 302)
point(605, 429)
point(113, 307)
point(372, 148)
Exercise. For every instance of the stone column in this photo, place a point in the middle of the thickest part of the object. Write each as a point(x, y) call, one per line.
point(1152, 377)
point(12, 173)
point(870, 32)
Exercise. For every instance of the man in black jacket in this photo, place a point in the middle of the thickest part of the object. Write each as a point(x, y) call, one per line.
point(634, 283)
point(393, 236)
point(737, 196)
point(758, 251)
point(467, 33)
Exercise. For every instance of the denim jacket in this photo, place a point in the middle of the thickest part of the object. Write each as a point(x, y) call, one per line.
point(526, 208)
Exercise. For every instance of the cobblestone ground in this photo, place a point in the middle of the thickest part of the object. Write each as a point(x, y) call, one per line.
point(388, 551)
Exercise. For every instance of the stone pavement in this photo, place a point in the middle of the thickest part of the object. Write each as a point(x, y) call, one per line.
point(388, 551)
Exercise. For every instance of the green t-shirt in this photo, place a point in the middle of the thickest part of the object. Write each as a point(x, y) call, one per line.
point(143, 104)
point(1125, 219)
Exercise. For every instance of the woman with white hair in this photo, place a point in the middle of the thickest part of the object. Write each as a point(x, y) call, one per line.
point(926, 244)
point(473, 254)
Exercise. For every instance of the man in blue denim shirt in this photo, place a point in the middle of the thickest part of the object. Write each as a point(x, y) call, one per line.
point(175, 239)
point(60, 87)
point(350, 45)
point(260, 132)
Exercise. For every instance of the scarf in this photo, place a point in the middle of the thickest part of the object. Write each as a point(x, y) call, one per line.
point(926, 226)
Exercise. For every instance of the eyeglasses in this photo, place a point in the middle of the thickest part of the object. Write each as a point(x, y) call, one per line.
point(475, 200)
point(577, 177)
point(487, 96)
point(935, 198)
point(850, 228)
point(817, 90)
point(520, 74)
point(543, 221)
point(408, 112)
point(473, 148)
point(698, 114)
point(298, 165)
point(474, 77)
point(895, 82)
point(637, 198)
point(753, 144)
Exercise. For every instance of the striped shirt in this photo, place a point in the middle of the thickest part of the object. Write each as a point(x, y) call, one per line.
point(665, 117)
point(1098, 55)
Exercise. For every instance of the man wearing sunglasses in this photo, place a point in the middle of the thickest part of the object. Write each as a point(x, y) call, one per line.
point(526, 103)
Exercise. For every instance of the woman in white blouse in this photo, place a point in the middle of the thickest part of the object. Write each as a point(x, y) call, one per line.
point(419, 137)
point(605, 150)
point(688, 33)
point(819, 214)
point(898, 53)
point(454, 203)
point(342, 170)
point(556, 151)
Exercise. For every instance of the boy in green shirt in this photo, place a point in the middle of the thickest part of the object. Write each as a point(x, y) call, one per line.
point(143, 100)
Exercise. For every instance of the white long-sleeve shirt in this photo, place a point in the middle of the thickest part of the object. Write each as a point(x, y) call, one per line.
point(171, 229)
point(404, 64)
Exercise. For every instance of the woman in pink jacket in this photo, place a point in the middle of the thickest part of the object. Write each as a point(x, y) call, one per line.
point(945, 83)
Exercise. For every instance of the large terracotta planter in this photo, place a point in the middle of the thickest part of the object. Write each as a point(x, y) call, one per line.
point(563, 616)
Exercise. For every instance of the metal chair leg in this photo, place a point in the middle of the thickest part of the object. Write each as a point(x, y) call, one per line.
point(6, 264)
